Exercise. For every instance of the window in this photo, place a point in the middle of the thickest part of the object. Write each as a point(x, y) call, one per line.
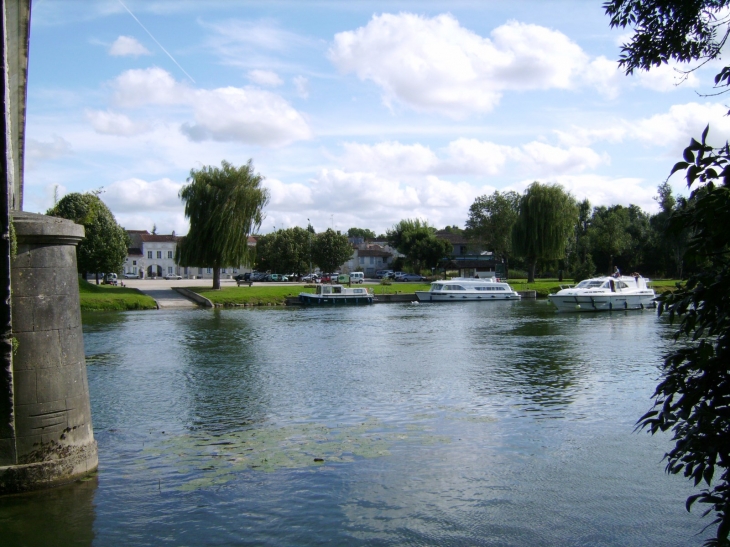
point(134, 262)
point(134, 271)
point(372, 259)
point(149, 254)
point(362, 260)
point(208, 270)
point(169, 269)
point(200, 271)
point(169, 254)
point(159, 254)
point(223, 270)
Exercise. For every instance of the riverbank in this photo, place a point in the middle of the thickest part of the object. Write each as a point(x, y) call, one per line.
point(112, 298)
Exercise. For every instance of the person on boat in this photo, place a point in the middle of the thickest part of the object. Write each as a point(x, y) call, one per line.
point(616, 272)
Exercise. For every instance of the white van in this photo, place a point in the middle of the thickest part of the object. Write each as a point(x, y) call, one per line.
point(357, 277)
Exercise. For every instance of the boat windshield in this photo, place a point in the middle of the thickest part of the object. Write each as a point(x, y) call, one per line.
point(589, 284)
point(436, 287)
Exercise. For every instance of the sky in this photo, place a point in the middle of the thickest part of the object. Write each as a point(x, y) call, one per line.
point(357, 113)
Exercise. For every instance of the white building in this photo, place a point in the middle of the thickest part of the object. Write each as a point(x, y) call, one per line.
point(152, 255)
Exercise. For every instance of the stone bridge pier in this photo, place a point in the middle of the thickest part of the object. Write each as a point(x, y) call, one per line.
point(45, 420)
point(51, 440)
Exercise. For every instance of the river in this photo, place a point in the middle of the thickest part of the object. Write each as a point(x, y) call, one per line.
point(500, 424)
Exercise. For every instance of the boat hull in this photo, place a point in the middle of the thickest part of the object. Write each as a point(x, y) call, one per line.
point(428, 296)
point(334, 300)
point(599, 302)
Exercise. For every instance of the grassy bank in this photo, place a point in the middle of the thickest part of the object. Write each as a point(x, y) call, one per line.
point(264, 295)
point(108, 297)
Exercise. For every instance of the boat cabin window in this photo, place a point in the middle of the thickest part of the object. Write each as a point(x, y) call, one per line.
point(621, 285)
point(437, 287)
point(454, 288)
point(589, 284)
point(337, 289)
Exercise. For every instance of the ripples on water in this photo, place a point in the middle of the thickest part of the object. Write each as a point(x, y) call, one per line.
point(465, 424)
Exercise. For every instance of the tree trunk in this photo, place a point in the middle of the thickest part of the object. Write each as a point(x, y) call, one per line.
point(97, 278)
point(531, 271)
point(216, 278)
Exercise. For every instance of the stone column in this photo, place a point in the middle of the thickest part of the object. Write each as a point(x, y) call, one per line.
point(53, 437)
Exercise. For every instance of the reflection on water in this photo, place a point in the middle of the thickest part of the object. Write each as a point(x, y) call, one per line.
point(498, 424)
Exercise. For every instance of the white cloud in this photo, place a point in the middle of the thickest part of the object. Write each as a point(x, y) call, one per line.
point(288, 197)
point(265, 77)
point(675, 128)
point(245, 115)
point(114, 123)
point(301, 84)
point(136, 195)
point(478, 157)
point(39, 151)
point(127, 46)
point(665, 78)
point(434, 64)
point(603, 190)
point(389, 157)
point(468, 156)
point(139, 87)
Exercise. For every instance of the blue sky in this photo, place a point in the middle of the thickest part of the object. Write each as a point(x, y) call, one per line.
point(357, 113)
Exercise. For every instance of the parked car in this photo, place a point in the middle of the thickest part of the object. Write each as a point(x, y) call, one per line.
point(311, 278)
point(110, 279)
point(173, 276)
point(410, 277)
point(357, 277)
point(131, 276)
point(396, 275)
point(326, 278)
point(383, 274)
point(243, 277)
point(277, 277)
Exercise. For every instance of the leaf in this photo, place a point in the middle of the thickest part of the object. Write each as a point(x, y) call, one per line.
point(680, 165)
point(688, 155)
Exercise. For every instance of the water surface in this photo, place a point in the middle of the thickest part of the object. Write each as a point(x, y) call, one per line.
point(500, 424)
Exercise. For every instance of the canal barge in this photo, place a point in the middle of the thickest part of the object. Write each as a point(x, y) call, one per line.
point(605, 294)
point(460, 289)
point(333, 295)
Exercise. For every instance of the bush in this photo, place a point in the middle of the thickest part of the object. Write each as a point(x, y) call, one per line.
point(517, 274)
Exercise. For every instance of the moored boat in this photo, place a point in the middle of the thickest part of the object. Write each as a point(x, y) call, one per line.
point(606, 294)
point(330, 295)
point(460, 289)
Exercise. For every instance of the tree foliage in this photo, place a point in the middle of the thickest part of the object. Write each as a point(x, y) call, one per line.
point(418, 242)
point(105, 244)
point(546, 219)
point(491, 219)
point(285, 251)
point(609, 231)
point(330, 250)
point(224, 205)
point(693, 398)
point(361, 232)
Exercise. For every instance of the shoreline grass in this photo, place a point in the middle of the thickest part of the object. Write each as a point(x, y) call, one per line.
point(265, 295)
point(110, 298)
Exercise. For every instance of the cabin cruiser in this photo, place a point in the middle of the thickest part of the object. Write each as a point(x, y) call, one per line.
point(460, 289)
point(336, 295)
point(606, 293)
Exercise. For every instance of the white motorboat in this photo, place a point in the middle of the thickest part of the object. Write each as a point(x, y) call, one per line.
point(606, 294)
point(460, 289)
point(331, 295)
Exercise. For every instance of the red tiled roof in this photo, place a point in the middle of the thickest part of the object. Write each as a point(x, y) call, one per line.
point(151, 238)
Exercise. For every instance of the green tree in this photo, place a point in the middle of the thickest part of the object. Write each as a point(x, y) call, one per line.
point(330, 250)
point(609, 231)
point(284, 251)
point(692, 398)
point(490, 222)
point(417, 241)
point(546, 219)
point(105, 243)
point(224, 205)
point(361, 232)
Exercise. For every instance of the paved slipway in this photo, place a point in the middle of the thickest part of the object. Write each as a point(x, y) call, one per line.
point(162, 291)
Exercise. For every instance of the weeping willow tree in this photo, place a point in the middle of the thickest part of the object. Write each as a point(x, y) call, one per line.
point(224, 205)
point(546, 219)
